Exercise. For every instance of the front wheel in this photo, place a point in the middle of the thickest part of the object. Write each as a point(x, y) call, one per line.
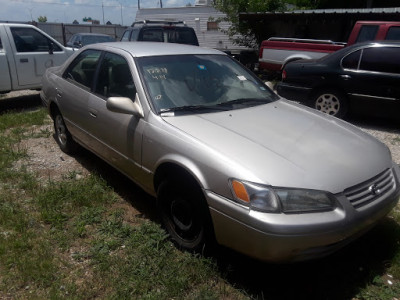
point(331, 102)
point(63, 136)
point(183, 212)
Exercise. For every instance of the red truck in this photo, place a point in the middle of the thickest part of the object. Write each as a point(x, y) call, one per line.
point(276, 52)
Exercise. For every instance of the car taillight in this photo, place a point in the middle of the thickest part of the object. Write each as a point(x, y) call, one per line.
point(283, 75)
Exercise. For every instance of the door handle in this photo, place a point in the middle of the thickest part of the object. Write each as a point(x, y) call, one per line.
point(23, 60)
point(345, 77)
point(93, 113)
point(58, 93)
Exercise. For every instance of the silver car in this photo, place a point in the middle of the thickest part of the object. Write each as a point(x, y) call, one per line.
point(227, 159)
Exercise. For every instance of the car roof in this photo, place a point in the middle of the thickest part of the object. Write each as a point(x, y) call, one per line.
point(346, 50)
point(143, 49)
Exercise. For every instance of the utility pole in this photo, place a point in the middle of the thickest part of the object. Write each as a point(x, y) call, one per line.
point(102, 7)
point(122, 20)
point(160, 3)
point(138, 4)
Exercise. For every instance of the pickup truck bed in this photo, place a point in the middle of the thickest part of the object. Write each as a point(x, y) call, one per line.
point(277, 52)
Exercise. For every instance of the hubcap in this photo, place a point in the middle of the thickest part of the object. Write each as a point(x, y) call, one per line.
point(61, 130)
point(328, 103)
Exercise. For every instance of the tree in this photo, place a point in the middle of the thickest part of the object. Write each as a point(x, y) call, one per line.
point(42, 19)
point(240, 33)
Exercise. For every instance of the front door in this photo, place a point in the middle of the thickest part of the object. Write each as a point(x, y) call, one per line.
point(34, 53)
point(119, 136)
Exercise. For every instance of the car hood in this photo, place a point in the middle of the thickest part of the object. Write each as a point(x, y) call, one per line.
point(284, 144)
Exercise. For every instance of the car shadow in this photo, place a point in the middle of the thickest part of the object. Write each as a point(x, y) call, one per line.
point(20, 101)
point(338, 276)
point(122, 185)
point(376, 123)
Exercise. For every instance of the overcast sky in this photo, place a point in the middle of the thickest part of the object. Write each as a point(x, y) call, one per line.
point(63, 11)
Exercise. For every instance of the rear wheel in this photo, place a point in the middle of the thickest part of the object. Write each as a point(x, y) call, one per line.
point(63, 136)
point(184, 214)
point(331, 102)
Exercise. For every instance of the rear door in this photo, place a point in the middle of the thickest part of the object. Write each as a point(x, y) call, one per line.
point(371, 76)
point(73, 92)
point(33, 54)
point(380, 72)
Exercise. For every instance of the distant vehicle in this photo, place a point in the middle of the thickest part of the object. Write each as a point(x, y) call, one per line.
point(276, 52)
point(79, 40)
point(227, 159)
point(161, 31)
point(366, 73)
point(25, 53)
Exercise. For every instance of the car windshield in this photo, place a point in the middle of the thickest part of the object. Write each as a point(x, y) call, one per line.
point(201, 83)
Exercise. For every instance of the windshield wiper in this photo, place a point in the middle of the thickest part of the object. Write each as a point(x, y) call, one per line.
point(247, 101)
point(193, 108)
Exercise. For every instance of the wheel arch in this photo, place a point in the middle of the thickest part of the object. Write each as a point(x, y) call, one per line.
point(294, 58)
point(173, 169)
point(53, 109)
point(320, 88)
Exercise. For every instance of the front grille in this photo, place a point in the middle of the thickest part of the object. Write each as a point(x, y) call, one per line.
point(371, 190)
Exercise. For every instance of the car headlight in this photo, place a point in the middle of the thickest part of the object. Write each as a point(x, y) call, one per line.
point(276, 200)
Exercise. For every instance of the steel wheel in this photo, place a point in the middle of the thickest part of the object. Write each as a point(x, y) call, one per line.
point(180, 207)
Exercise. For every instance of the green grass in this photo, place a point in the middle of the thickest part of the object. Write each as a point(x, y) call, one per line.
point(75, 239)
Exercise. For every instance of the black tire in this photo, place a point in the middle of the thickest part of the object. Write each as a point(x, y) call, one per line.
point(331, 102)
point(63, 136)
point(184, 214)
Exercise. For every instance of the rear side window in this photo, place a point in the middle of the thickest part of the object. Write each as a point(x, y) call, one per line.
point(367, 33)
point(381, 59)
point(393, 33)
point(351, 61)
point(83, 68)
point(31, 40)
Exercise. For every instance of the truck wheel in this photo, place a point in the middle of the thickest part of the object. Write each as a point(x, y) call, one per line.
point(182, 209)
point(63, 136)
point(331, 102)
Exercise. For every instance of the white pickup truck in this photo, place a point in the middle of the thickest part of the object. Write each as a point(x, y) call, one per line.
point(25, 53)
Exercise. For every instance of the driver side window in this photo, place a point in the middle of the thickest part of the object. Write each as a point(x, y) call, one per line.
point(31, 40)
point(115, 78)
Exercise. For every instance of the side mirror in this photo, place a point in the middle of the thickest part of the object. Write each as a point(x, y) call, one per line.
point(125, 105)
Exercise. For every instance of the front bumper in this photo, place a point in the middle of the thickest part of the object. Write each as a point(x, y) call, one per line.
point(295, 237)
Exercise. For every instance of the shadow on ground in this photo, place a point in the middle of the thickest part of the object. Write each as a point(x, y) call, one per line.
point(20, 101)
point(339, 276)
